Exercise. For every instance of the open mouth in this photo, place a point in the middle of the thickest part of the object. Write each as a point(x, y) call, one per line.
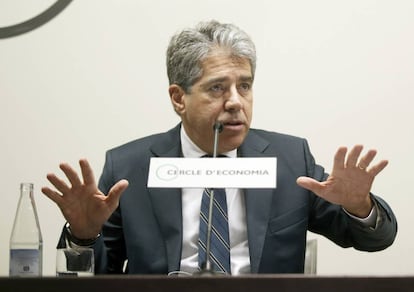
point(233, 125)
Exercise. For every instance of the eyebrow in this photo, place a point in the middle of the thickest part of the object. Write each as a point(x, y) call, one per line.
point(223, 79)
point(246, 78)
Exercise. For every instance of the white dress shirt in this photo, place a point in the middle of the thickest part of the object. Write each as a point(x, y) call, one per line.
point(191, 202)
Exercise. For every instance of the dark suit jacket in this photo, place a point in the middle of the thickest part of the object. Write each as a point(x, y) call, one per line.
point(146, 229)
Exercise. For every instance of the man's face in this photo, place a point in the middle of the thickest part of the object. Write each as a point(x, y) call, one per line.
point(222, 94)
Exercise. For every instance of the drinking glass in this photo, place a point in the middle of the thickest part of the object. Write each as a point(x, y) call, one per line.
point(78, 262)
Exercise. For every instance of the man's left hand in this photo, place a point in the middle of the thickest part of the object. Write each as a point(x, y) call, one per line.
point(350, 182)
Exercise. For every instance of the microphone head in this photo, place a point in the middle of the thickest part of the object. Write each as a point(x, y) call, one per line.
point(218, 126)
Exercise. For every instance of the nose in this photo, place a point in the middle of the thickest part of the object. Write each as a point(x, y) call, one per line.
point(233, 102)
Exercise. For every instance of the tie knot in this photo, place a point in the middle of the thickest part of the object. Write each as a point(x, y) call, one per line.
point(211, 156)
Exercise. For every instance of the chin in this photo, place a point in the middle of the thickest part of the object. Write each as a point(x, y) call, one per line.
point(231, 143)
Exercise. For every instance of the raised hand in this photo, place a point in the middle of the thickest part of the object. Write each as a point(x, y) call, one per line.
point(82, 204)
point(350, 182)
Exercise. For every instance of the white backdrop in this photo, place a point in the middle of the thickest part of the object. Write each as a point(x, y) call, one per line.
point(335, 72)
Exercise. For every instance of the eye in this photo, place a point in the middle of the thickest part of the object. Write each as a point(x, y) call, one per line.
point(244, 87)
point(217, 88)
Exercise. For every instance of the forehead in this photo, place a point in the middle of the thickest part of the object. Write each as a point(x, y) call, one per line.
point(222, 62)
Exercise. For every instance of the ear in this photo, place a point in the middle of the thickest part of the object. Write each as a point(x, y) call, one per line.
point(177, 98)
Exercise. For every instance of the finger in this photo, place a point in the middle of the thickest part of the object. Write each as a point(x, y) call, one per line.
point(116, 191)
point(58, 183)
point(339, 159)
point(377, 168)
point(310, 184)
point(53, 195)
point(71, 174)
point(353, 156)
point(87, 172)
point(367, 159)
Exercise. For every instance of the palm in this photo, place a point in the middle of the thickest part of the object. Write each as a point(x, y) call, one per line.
point(82, 204)
point(84, 207)
point(350, 182)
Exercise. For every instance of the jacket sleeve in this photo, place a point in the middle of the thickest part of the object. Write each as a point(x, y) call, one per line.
point(110, 248)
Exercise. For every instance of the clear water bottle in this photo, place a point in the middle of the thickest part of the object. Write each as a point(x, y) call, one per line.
point(26, 239)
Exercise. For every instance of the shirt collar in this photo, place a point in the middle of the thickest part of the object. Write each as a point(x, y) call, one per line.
point(191, 150)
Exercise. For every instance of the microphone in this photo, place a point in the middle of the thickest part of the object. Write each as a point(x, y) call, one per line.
point(206, 269)
point(217, 128)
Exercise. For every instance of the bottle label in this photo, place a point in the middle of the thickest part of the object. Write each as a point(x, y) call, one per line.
point(25, 262)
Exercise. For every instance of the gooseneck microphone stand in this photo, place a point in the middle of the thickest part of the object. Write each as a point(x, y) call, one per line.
point(206, 267)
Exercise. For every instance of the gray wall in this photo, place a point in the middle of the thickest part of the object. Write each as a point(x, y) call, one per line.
point(335, 72)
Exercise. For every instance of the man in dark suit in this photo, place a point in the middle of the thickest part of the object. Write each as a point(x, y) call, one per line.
point(211, 71)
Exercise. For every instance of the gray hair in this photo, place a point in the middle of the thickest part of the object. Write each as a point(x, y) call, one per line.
point(190, 47)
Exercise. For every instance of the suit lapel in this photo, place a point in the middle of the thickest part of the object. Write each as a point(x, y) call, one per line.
point(257, 210)
point(167, 202)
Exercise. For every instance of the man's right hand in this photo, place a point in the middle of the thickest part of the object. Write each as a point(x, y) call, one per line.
point(82, 204)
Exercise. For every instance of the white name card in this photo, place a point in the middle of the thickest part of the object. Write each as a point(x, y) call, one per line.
point(246, 172)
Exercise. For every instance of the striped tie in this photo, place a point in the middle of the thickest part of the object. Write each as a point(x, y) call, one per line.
point(220, 243)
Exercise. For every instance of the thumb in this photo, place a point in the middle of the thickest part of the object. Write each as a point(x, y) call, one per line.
point(116, 191)
point(309, 184)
